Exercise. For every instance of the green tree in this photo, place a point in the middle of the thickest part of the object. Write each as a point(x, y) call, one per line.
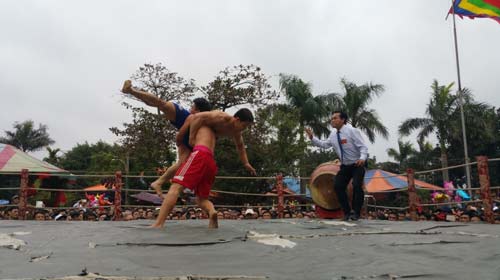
point(92, 158)
point(237, 85)
point(443, 119)
point(149, 138)
point(27, 138)
point(52, 158)
point(284, 148)
point(313, 111)
point(164, 84)
point(354, 101)
point(404, 152)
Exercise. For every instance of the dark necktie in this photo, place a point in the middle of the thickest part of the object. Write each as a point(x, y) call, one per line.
point(341, 149)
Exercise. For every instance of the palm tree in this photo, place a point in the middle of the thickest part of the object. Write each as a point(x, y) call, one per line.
point(443, 119)
point(52, 158)
point(27, 138)
point(405, 151)
point(355, 102)
point(314, 111)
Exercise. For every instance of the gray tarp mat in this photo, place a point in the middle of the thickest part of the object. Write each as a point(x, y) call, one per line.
point(370, 249)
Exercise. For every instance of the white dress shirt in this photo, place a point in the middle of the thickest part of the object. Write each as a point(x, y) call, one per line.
point(353, 144)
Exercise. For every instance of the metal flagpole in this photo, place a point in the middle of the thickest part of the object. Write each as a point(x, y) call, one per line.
point(461, 101)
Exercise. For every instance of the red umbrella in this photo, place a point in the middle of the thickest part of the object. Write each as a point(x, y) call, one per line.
point(148, 197)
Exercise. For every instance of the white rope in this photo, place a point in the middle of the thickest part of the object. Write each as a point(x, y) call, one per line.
point(448, 203)
point(445, 168)
point(386, 207)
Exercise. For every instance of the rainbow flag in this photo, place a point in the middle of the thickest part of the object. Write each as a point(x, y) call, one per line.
point(477, 9)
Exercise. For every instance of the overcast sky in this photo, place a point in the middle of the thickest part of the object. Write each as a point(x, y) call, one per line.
point(63, 62)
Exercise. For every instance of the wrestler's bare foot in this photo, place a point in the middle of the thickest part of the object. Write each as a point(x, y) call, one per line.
point(155, 225)
point(213, 223)
point(127, 86)
point(157, 187)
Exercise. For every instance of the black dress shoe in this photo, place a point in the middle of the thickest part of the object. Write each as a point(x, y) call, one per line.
point(354, 217)
point(346, 217)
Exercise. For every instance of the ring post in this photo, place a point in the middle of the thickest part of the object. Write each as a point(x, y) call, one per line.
point(412, 194)
point(118, 196)
point(281, 199)
point(484, 186)
point(23, 194)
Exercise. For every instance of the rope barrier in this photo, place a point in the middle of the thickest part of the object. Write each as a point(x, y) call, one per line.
point(449, 203)
point(8, 205)
point(224, 192)
point(387, 207)
point(9, 189)
point(67, 207)
point(445, 168)
point(152, 191)
point(239, 193)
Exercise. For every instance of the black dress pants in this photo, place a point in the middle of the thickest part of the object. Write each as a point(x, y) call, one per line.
point(346, 173)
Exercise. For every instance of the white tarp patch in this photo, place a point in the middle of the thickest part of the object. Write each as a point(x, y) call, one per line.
point(7, 241)
point(21, 233)
point(271, 239)
point(338, 223)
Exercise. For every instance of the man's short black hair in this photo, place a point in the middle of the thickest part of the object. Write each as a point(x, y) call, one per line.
point(342, 115)
point(244, 115)
point(202, 104)
point(39, 212)
point(74, 214)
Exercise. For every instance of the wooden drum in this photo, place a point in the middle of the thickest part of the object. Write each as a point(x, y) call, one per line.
point(321, 185)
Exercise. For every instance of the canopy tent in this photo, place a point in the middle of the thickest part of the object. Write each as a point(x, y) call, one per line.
point(96, 188)
point(377, 180)
point(14, 160)
point(293, 184)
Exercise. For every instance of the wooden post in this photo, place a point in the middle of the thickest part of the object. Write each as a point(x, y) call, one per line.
point(23, 194)
point(412, 194)
point(118, 196)
point(281, 199)
point(484, 188)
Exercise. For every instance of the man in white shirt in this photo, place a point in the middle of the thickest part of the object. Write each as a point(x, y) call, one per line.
point(353, 153)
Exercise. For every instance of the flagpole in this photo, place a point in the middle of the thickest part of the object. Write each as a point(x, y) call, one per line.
point(461, 101)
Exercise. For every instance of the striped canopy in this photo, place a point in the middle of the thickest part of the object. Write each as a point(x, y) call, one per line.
point(14, 160)
point(377, 180)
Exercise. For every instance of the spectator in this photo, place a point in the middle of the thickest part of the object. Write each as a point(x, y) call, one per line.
point(150, 214)
point(13, 213)
point(39, 216)
point(266, 215)
point(249, 214)
point(14, 200)
point(392, 217)
point(136, 215)
point(103, 217)
point(76, 215)
point(227, 215)
point(90, 216)
point(475, 219)
point(465, 218)
point(61, 216)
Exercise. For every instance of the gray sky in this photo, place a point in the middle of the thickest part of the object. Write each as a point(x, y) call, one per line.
point(63, 62)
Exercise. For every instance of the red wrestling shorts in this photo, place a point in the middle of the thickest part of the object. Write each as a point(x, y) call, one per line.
point(198, 172)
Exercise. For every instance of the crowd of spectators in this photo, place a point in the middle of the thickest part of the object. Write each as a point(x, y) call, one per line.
point(470, 213)
point(148, 213)
point(84, 211)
